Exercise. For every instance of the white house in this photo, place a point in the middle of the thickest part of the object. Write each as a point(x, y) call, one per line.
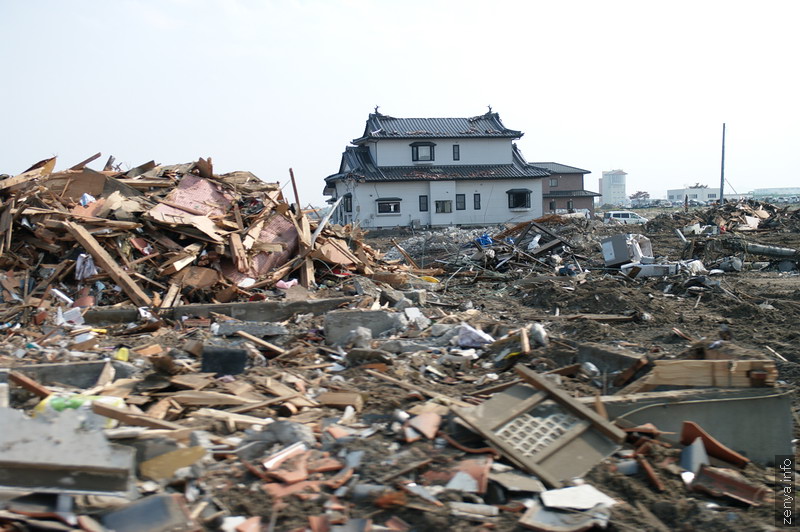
point(435, 171)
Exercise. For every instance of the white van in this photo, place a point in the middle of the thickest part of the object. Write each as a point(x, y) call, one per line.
point(623, 217)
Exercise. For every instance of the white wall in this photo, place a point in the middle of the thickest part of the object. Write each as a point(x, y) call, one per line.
point(699, 194)
point(494, 202)
point(391, 152)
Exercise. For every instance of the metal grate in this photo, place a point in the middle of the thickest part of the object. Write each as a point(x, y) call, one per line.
point(536, 429)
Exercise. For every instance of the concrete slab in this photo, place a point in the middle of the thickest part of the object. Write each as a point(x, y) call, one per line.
point(256, 328)
point(338, 324)
point(248, 311)
point(58, 456)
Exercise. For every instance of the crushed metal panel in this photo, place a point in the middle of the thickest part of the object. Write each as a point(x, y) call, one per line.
point(539, 435)
point(58, 456)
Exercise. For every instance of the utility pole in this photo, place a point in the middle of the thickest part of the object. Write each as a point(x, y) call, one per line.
point(722, 171)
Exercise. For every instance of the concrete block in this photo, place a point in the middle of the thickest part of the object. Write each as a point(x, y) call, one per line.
point(223, 360)
point(256, 328)
point(755, 422)
point(418, 297)
point(58, 456)
point(366, 287)
point(338, 324)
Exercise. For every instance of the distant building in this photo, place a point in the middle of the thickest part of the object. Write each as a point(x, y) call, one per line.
point(781, 192)
point(696, 192)
point(564, 191)
point(612, 188)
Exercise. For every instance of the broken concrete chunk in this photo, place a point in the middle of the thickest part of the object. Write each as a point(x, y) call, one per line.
point(339, 323)
point(58, 456)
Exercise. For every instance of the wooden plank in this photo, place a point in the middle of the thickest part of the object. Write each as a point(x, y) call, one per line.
point(239, 420)
point(238, 252)
point(131, 418)
point(105, 261)
point(196, 397)
point(172, 293)
point(307, 268)
point(86, 161)
point(263, 343)
point(30, 175)
point(715, 373)
point(29, 384)
point(405, 255)
point(276, 387)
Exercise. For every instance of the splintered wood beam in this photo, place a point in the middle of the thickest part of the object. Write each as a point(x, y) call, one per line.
point(107, 262)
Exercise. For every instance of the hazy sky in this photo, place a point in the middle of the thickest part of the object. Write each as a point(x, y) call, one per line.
point(264, 86)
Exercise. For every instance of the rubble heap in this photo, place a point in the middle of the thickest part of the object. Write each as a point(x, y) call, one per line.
point(162, 372)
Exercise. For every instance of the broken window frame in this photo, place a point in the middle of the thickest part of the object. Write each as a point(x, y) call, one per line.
point(444, 206)
point(519, 198)
point(461, 202)
point(347, 202)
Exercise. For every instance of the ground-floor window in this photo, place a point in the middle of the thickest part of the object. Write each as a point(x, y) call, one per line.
point(476, 202)
point(444, 206)
point(423, 204)
point(461, 202)
point(553, 205)
point(347, 202)
point(570, 205)
point(388, 205)
point(519, 198)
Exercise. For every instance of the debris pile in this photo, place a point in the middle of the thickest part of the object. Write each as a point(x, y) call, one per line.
point(162, 374)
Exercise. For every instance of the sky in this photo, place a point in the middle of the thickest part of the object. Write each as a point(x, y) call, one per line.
point(266, 86)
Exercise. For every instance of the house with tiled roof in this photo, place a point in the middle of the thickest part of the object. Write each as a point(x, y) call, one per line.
point(434, 172)
point(563, 190)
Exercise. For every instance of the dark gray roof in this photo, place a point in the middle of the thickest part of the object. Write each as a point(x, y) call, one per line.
point(380, 126)
point(557, 168)
point(357, 163)
point(569, 194)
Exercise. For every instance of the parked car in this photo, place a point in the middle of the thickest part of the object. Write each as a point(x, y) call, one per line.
point(623, 217)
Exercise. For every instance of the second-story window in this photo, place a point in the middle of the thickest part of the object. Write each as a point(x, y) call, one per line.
point(456, 152)
point(422, 151)
point(553, 181)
